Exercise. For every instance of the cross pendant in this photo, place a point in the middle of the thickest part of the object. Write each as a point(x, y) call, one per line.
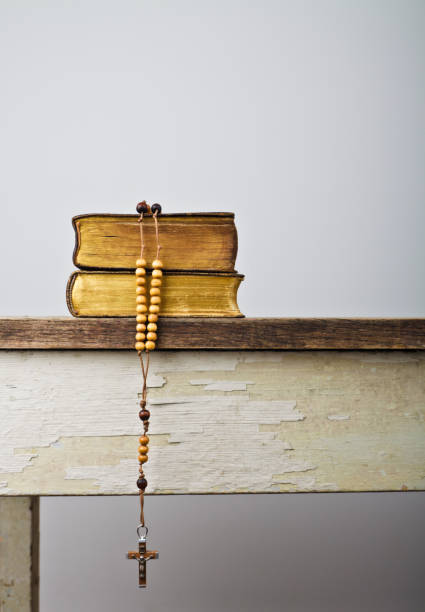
point(142, 556)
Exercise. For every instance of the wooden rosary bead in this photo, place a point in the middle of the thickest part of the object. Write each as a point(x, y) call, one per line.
point(140, 272)
point(155, 291)
point(152, 318)
point(141, 299)
point(143, 450)
point(155, 299)
point(141, 318)
point(144, 415)
point(140, 336)
point(142, 483)
point(156, 208)
point(139, 346)
point(142, 207)
point(154, 308)
point(152, 327)
point(156, 282)
point(140, 290)
point(150, 336)
point(144, 440)
point(149, 345)
point(142, 403)
point(140, 327)
point(156, 273)
point(143, 458)
point(141, 262)
point(141, 308)
point(157, 264)
point(140, 281)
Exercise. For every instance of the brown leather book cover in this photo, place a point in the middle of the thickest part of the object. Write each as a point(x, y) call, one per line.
point(183, 294)
point(190, 241)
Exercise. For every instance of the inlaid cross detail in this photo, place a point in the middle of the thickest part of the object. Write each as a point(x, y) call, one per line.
point(142, 556)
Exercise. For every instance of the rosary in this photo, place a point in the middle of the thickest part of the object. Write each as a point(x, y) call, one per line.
point(146, 311)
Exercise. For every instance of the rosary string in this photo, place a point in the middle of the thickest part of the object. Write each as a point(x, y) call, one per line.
point(158, 246)
point(140, 274)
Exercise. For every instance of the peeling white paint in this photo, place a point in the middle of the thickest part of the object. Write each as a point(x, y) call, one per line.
point(262, 356)
point(70, 425)
point(382, 357)
point(222, 385)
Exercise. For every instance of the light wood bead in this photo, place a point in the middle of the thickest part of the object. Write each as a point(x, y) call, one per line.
point(141, 262)
point(151, 336)
point(143, 450)
point(157, 264)
point(149, 345)
point(140, 336)
point(140, 272)
point(141, 299)
point(143, 458)
point(140, 290)
point(154, 308)
point(140, 318)
point(152, 327)
point(155, 299)
point(139, 346)
point(156, 273)
point(152, 318)
point(140, 327)
point(155, 291)
point(140, 308)
point(156, 282)
point(140, 281)
point(144, 440)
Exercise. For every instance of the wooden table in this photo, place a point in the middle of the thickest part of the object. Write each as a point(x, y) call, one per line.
point(238, 406)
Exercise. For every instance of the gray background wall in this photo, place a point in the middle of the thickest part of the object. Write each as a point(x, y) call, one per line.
point(306, 119)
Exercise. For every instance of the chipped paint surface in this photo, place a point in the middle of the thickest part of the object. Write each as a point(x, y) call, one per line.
point(15, 554)
point(221, 421)
point(222, 385)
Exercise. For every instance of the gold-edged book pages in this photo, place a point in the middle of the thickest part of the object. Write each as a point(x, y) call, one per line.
point(183, 294)
point(190, 241)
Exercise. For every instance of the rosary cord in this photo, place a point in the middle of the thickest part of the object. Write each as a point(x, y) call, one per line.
point(142, 242)
point(145, 365)
point(158, 246)
point(142, 501)
point(144, 370)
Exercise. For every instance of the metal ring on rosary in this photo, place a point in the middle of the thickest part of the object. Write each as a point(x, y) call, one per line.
point(142, 537)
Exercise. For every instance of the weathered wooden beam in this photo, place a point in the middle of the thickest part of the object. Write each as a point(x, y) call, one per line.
point(212, 333)
point(19, 551)
point(221, 422)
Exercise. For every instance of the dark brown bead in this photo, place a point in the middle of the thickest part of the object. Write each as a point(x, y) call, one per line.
point(142, 483)
point(156, 208)
point(144, 415)
point(142, 207)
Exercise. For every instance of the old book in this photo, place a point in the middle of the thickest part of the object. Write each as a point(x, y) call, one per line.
point(183, 294)
point(190, 241)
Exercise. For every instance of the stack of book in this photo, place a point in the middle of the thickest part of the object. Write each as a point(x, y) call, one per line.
point(198, 252)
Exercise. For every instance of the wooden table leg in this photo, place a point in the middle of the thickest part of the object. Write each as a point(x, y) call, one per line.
point(19, 553)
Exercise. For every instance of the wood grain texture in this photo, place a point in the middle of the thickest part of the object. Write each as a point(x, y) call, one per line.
point(210, 333)
point(19, 554)
point(221, 422)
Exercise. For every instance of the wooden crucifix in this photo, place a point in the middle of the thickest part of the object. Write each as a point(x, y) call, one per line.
point(142, 556)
